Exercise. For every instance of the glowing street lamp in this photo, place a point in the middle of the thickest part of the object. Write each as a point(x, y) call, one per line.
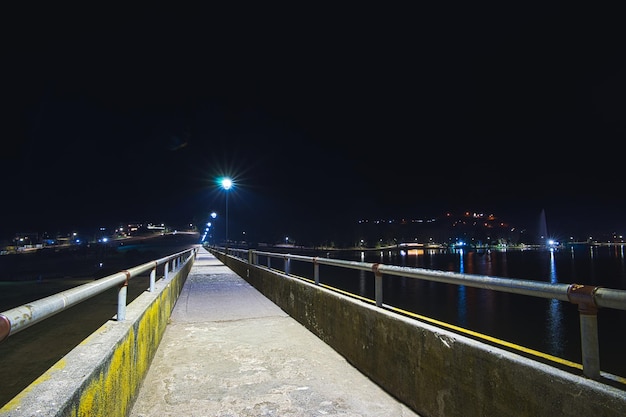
point(207, 235)
point(226, 183)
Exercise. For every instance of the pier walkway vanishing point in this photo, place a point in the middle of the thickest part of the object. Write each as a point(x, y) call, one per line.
point(229, 351)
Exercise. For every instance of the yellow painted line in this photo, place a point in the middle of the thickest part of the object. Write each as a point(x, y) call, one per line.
point(463, 330)
point(349, 294)
point(491, 339)
point(471, 333)
point(497, 341)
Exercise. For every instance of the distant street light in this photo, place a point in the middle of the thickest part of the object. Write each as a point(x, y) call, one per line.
point(226, 184)
point(211, 239)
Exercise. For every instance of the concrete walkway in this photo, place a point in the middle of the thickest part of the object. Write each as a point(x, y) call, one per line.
point(229, 351)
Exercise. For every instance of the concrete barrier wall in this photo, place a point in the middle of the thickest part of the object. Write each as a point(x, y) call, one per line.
point(102, 376)
point(433, 371)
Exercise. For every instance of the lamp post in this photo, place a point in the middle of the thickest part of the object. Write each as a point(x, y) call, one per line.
point(226, 184)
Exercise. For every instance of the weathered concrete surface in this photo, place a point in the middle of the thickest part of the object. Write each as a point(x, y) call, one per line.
point(229, 351)
point(432, 370)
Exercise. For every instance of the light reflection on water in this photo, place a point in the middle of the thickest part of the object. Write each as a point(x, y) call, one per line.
point(554, 315)
point(462, 302)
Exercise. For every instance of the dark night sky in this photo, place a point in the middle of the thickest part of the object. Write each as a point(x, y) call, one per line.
point(321, 116)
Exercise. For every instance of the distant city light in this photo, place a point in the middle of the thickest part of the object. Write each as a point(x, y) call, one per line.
point(552, 243)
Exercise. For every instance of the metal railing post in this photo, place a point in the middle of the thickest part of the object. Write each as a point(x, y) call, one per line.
point(378, 284)
point(166, 270)
point(121, 298)
point(153, 277)
point(316, 271)
point(590, 345)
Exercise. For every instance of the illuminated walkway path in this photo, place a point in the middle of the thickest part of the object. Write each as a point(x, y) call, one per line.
point(229, 351)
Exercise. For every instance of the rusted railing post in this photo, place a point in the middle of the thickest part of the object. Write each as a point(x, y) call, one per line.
point(5, 327)
point(583, 296)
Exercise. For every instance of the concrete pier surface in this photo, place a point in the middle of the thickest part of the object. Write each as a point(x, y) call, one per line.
point(229, 351)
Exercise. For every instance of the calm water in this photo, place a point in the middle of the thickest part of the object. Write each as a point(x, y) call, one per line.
point(549, 326)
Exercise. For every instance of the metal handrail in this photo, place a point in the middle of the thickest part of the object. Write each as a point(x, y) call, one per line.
point(24, 316)
point(588, 298)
